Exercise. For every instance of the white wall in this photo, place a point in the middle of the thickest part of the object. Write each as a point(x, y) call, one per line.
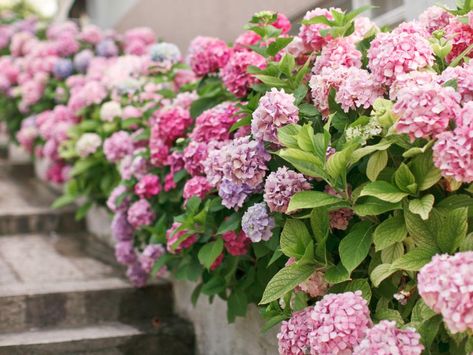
point(106, 13)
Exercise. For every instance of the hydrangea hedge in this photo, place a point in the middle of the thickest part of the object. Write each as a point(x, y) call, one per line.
point(326, 177)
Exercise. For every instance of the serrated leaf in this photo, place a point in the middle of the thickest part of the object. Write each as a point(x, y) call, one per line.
point(362, 152)
point(389, 232)
point(336, 274)
point(419, 230)
point(373, 206)
point(422, 206)
point(355, 246)
point(376, 164)
point(414, 260)
point(384, 191)
point(392, 253)
point(380, 273)
point(287, 135)
point(294, 238)
point(450, 228)
point(306, 163)
point(286, 280)
point(424, 170)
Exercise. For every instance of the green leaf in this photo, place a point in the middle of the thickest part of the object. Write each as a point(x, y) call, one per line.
point(318, 19)
point(305, 138)
point(319, 221)
point(287, 135)
point(362, 152)
point(450, 228)
point(428, 330)
point(384, 191)
point(414, 260)
point(63, 200)
point(294, 238)
point(380, 273)
point(204, 103)
point(467, 243)
point(422, 206)
point(278, 44)
point(210, 252)
point(312, 199)
point(419, 230)
point(456, 201)
point(214, 286)
point(376, 164)
point(82, 210)
point(306, 163)
point(338, 162)
point(236, 305)
point(287, 64)
point(286, 280)
point(392, 253)
point(424, 170)
point(421, 312)
point(336, 274)
point(389, 314)
point(355, 246)
point(229, 224)
point(373, 207)
point(308, 110)
point(83, 165)
point(389, 232)
point(352, 286)
point(405, 180)
point(271, 81)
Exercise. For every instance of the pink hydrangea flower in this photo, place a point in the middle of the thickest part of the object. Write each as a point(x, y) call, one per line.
point(461, 37)
point(463, 75)
point(293, 337)
point(280, 186)
point(453, 151)
point(125, 252)
point(322, 83)
point(339, 219)
point(386, 338)
point(435, 18)
point(236, 243)
point(363, 26)
point(112, 203)
point(425, 111)
point(393, 54)
point(172, 123)
point(315, 285)
point(117, 146)
point(217, 262)
point(140, 214)
point(208, 55)
point(310, 34)
point(358, 90)
point(283, 23)
point(340, 323)
point(150, 255)
point(412, 79)
point(196, 186)
point(338, 52)
point(214, 124)
point(159, 150)
point(446, 285)
point(178, 240)
point(148, 186)
point(245, 40)
point(110, 110)
point(194, 155)
point(88, 144)
point(234, 74)
point(275, 109)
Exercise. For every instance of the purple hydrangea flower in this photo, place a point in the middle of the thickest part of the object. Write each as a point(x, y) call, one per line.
point(125, 252)
point(233, 195)
point(121, 229)
point(140, 214)
point(82, 60)
point(63, 68)
point(112, 200)
point(257, 223)
point(150, 255)
point(137, 276)
point(117, 146)
point(107, 48)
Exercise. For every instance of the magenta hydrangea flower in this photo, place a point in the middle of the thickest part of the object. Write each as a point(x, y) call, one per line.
point(178, 240)
point(453, 151)
point(148, 186)
point(340, 218)
point(150, 255)
point(236, 243)
point(196, 186)
point(208, 55)
point(171, 122)
point(435, 18)
point(293, 336)
point(411, 79)
point(117, 146)
point(137, 276)
point(280, 186)
point(310, 34)
point(425, 111)
point(112, 203)
point(392, 54)
point(214, 124)
point(340, 323)
point(194, 155)
point(322, 83)
point(338, 52)
point(283, 23)
point(446, 285)
point(257, 224)
point(275, 110)
point(140, 214)
point(358, 90)
point(233, 195)
point(125, 252)
point(234, 74)
point(461, 37)
point(463, 75)
point(159, 150)
point(121, 229)
point(386, 338)
point(217, 262)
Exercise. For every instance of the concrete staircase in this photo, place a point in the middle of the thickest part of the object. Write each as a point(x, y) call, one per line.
point(57, 299)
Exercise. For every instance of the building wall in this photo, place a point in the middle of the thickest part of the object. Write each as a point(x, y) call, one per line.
point(107, 13)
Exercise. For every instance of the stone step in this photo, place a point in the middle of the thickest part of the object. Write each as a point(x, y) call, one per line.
point(25, 208)
point(169, 336)
point(48, 281)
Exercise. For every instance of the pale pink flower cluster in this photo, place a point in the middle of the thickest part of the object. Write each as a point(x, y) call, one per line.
point(137, 40)
point(140, 214)
point(463, 76)
point(453, 151)
point(117, 146)
point(411, 79)
point(446, 285)
point(88, 144)
point(196, 186)
point(194, 155)
point(110, 110)
point(280, 186)
point(322, 83)
point(396, 53)
point(385, 339)
point(461, 37)
point(315, 285)
point(425, 111)
point(310, 34)
point(338, 52)
point(234, 74)
point(208, 55)
point(435, 18)
point(293, 337)
point(275, 110)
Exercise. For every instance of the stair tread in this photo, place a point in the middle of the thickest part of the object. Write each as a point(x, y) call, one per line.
point(47, 336)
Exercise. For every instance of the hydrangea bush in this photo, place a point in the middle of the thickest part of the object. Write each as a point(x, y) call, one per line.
point(326, 177)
